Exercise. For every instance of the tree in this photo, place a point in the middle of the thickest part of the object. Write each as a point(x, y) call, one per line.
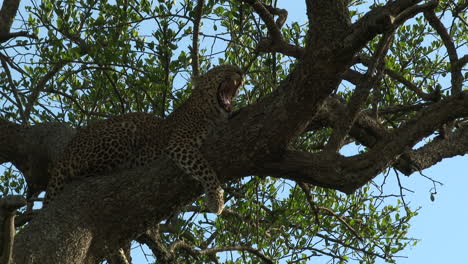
point(386, 78)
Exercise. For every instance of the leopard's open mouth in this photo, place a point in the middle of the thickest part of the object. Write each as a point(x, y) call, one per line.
point(226, 93)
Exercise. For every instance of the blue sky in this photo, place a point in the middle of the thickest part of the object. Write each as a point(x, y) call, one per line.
point(441, 225)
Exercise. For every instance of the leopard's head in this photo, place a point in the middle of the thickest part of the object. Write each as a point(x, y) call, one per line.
point(221, 84)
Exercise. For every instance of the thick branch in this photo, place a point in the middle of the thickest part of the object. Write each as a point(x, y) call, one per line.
point(369, 132)
point(386, 152)
point(329, 23)
point(7, 15)
point(463, 61)
point(238, 150)
point(380, 20)
point(7, 36)
point(31, 149)
point(311, 168)
point(435, 151)
point(348, 174)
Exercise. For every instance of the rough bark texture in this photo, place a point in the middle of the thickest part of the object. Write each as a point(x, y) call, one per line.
point(93, 218)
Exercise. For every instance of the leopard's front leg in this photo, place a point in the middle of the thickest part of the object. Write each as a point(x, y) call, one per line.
point(191, 161)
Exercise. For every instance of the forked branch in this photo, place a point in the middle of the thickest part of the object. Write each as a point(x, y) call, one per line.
point(275, 41)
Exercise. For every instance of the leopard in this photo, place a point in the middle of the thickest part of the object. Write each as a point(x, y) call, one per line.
point(138, 139)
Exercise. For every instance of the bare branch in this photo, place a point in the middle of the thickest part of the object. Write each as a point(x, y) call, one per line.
point(455, 69)
point(195, 34)
point(7, 36)
point(14, 90)
point(369, 132)
point(8, 207)
point(349, 173)
point(267, 17)
point(311, 202)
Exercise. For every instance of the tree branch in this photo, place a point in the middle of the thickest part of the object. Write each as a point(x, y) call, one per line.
point(360, 95)
point(181, 244)
point(14, 90)
point(463, 61)
point(386, 152)
point(400, 78)
point(369, 132)
point(276, 41)
point(311, 202)
point(31, 149)
point(8, 207)
point(455, 69)
point(39, 87)
point(120, 257)
point(152, 239)
point(350, 173)
point(195, 34)
point(7, 15)
point(4, 37)
point(235, 154)
point(433, 152)
point(380, 20)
